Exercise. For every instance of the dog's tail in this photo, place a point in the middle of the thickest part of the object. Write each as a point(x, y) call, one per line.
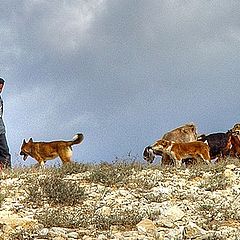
point(78, 138)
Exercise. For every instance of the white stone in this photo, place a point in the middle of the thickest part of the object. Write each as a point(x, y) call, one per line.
point(174, 213)
point(231, 166)
point(7, 229)
point(102, 237)
point(59, 238)
point(73, 235)
point(104, 211)
point(44, 232)
point(13, 220)
point(146, 226)
point(57, 231)
point(230, 175)
point(191, 231)
point(87, 238)
point(160, 190)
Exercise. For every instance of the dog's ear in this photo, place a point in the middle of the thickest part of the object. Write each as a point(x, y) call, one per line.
point(24, 141)
point(30, 140)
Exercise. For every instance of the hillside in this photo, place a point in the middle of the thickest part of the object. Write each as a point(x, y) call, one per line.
point(122, 200)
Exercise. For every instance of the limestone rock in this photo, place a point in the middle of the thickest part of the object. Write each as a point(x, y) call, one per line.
point(104, 211)
point(14, 220)
point(147, 226)
point(174, 213)
point(192, 231)
point(73, 235)
point(230, 175)
point(231, 166)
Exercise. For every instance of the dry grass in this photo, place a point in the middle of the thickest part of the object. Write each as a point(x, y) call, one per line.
point(2, 196)
point(84, 217)
point(52, 187)
point(55, 190)
point(114, 174)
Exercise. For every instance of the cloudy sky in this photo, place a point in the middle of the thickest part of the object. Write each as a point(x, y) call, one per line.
point(121, 72)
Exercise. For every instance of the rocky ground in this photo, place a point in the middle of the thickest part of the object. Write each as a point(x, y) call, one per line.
point(121, 201)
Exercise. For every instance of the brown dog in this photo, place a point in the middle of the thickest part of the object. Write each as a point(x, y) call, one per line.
point(235, 142)
point(184, 133)
point(180, 151)
point(43, 151)
point(236, 128)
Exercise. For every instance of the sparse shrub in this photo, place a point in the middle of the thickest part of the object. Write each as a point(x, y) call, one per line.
point(36, 170)
point(216, 182)
point(73, 168)
point(21, 234)
point(53, 189)
point(144, 183)
point(16, 173)
point(63, 217)
point(219, 212)
point(216, 168)
point(2, 196)
point(205, 207)
point(113, 174)
point(126, 219)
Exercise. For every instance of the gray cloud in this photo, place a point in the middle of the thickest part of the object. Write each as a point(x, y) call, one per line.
point(122, 72)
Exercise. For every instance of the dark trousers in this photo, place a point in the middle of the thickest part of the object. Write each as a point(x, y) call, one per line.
point(5, 157)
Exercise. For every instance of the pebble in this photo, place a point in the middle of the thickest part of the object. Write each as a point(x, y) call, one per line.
point(73, 235)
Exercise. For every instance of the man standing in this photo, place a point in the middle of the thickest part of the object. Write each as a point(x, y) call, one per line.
point(5, 157)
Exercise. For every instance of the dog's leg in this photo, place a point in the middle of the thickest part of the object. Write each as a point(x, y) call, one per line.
point(166, 160)
point(66, 155)
point(178, 163)
point(65, 161)
point(42, 164)
point(40, 160)
point(205, 158)
point(177, 160)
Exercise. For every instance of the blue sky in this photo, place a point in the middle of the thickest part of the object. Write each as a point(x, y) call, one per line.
point(121, 72)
